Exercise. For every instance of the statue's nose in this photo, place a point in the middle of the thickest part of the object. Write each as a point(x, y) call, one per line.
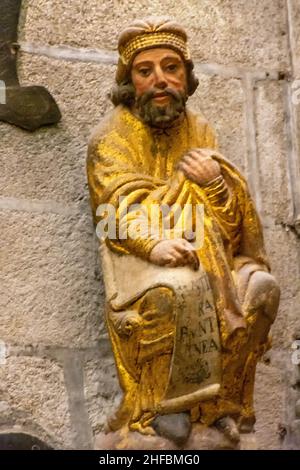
point(160, 79)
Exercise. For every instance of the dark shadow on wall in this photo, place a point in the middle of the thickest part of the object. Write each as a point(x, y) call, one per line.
point(22, 441)
point(27, 107)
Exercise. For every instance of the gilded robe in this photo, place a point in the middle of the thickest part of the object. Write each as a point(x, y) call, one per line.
point(131, 160)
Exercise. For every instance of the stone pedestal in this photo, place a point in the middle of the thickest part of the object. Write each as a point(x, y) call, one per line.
point(201, 438)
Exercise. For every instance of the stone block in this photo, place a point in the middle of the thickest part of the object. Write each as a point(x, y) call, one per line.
point(51, 293)
point(34, 393)
point(269, 406)
point(295, 138)
point(49, 164)
point(222, 103)
point(256, 31)
point(294, 25)
point(282, 249)
point(281, 245)
point(272, 151)
point(102, 389)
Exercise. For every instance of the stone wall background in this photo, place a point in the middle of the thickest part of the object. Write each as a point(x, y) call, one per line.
point(57, 376)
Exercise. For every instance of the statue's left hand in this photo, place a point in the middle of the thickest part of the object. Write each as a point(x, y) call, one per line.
point(199, 166)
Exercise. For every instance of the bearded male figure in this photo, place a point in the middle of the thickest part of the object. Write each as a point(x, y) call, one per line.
point(187, 321)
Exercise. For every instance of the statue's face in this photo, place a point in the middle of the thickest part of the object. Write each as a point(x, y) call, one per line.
point(160, 82)
point(158, 69)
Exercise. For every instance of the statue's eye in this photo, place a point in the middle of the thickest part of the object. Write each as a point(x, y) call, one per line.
point(172, 68)
point(144, 71)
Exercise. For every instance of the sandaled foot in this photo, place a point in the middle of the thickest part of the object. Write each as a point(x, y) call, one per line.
point(228, 427)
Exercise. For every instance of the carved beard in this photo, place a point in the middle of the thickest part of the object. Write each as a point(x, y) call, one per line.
point(160, 116)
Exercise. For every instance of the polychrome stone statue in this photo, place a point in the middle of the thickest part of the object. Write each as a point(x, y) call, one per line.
point(190, 297)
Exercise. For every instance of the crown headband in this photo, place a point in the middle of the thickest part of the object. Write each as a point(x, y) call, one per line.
point(148, 40)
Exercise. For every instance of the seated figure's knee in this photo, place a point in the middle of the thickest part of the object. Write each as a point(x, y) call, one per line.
point(263, 291)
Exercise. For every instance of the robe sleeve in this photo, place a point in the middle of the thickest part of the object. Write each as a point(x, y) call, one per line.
point(234, 210)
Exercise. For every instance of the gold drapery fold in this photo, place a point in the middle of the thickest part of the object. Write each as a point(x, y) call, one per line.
point(129, 160)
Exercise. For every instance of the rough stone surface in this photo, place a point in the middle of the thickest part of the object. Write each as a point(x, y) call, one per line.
point(34, 392)
point(282, 248)
point(249, 33)
point(50, 163)
point(297, 409)
point(272, 153)
point(292, 402)
point(222, 103)
point(295, 34)
point(102, 389)
point(50, 293)
point(295, 159)
point(269, 406)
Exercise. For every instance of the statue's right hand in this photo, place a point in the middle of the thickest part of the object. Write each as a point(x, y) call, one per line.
point(173, 253)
